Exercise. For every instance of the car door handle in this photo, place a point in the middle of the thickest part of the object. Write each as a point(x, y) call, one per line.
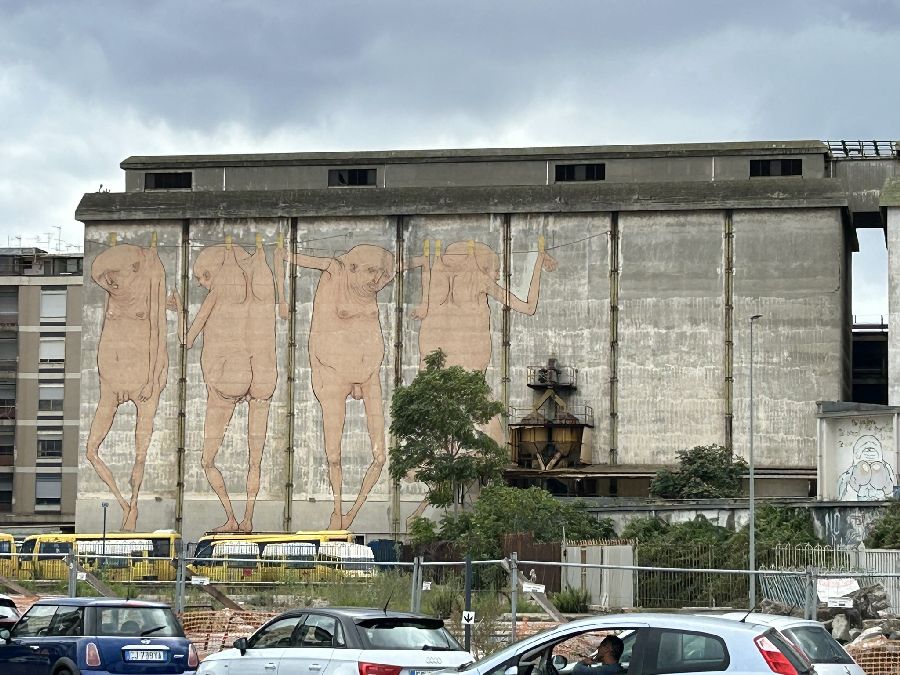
point(315, 666)
point(270, 666)
point(34, 647)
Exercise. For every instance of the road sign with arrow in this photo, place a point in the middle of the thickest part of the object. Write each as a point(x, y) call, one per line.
point(468, 618)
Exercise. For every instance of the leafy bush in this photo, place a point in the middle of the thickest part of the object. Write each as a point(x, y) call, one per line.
point(704, 472)
point(886, 531)
point(572, 600)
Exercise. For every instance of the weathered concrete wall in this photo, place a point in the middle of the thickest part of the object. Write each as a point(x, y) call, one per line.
point(858, 457)
point(669, 378)
point(789, 267)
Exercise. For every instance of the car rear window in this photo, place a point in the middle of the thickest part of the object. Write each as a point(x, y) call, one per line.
point(818, 644)
point(403, 633)
point(134, 621)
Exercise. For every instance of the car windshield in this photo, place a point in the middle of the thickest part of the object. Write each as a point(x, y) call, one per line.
point(407, 633)
point(134, 621)
point(819, 646)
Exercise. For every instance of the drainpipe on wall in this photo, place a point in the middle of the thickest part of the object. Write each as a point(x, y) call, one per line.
point(399, 292)
point(182, 374)
point(729, 328)
point(291, 246)
point(613, 364)
point(505, 329)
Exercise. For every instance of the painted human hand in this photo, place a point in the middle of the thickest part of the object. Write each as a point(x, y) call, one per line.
point(419, 313)
point(146, 392)
point(548, 262)
point(173, 301)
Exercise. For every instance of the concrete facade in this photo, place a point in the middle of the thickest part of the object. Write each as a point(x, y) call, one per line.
point(646, 282)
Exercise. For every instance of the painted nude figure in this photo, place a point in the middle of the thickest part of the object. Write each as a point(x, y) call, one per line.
point(346, 348)
point(132, 361)
point(455, 312)
point(237, 320)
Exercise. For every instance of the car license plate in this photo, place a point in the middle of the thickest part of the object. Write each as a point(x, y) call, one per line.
point(419, 671)
point(145, 655)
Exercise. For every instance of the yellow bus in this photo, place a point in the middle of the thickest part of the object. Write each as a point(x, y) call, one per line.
point(123, 556)
point(7, 555)
point(316, 555)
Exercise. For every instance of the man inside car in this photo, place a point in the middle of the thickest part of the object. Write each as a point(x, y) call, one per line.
point(605, 661)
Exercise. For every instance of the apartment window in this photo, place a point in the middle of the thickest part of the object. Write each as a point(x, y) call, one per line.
point(7, 400)
point(74, 265)
point(168, 180)
point(47, 489)
point(9, 305)
point(52, 350)
point(566, 173)
point(351, 177)
point(9, 352)
point(53, 304)
point(775, 167)
point(50, 397)
point(49, 448)
point(7, 446)
point(6, 486)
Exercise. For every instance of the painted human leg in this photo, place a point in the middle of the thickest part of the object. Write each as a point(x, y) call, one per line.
point(371, 396)
point(218, 415)
point(257, 424)
point(100, 426)
point(143, 430)
point(333, 414)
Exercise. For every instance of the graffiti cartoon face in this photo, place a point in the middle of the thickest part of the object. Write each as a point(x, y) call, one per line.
point(867, 448)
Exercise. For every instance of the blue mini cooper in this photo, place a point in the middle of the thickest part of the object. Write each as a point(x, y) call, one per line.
point(68, 636)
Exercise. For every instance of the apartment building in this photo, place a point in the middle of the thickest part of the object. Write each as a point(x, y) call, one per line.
point(40, 355)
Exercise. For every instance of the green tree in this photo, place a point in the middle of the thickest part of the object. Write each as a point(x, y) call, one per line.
point(704, 472)
point(434, 421)
point(506, 510)
point(886, 531)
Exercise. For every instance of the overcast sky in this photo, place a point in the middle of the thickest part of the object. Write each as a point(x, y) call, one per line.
point(85, 84)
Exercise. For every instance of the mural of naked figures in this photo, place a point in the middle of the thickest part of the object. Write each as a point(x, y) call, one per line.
point(346, 350)
point(865, 452)
point(131, 358)
point(238, 360)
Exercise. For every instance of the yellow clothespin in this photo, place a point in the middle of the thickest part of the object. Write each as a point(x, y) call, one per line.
point(426, 248)
point(437, 248)
point(112, 238)
point(540, 243)
point(227, 242)
point(471, 247)
point(258, 241)
point(153, 239)
point(279, 242)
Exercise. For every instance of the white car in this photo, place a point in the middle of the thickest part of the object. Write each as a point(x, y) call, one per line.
point(655, 644)
point(812, 637)
point(341, 641)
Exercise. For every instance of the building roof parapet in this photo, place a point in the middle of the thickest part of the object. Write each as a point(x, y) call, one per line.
point(750, 148)
point(774, 193)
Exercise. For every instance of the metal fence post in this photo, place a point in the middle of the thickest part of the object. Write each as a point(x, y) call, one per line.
point(180, 575)
point(811, 605)
point(72, 569)
point(468, 601)
point(513, 591)
point(413, 594)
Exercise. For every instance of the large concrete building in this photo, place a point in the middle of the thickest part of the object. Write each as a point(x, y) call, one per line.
point(40, 370)
point(249, 317)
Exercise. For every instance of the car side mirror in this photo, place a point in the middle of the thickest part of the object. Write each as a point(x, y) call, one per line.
point(4, 635)
point(512, 670)
point(559, 661)
point(241, 645)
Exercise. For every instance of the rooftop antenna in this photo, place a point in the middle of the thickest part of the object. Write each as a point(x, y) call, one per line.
point(58, 238)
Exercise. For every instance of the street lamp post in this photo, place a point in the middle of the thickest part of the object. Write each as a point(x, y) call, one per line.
point(752, 524)
point(104, 506)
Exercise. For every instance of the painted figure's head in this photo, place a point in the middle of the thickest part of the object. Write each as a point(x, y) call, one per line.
point(116, 268)
point(458, 255)
point(370, 268)
point(867, 447)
